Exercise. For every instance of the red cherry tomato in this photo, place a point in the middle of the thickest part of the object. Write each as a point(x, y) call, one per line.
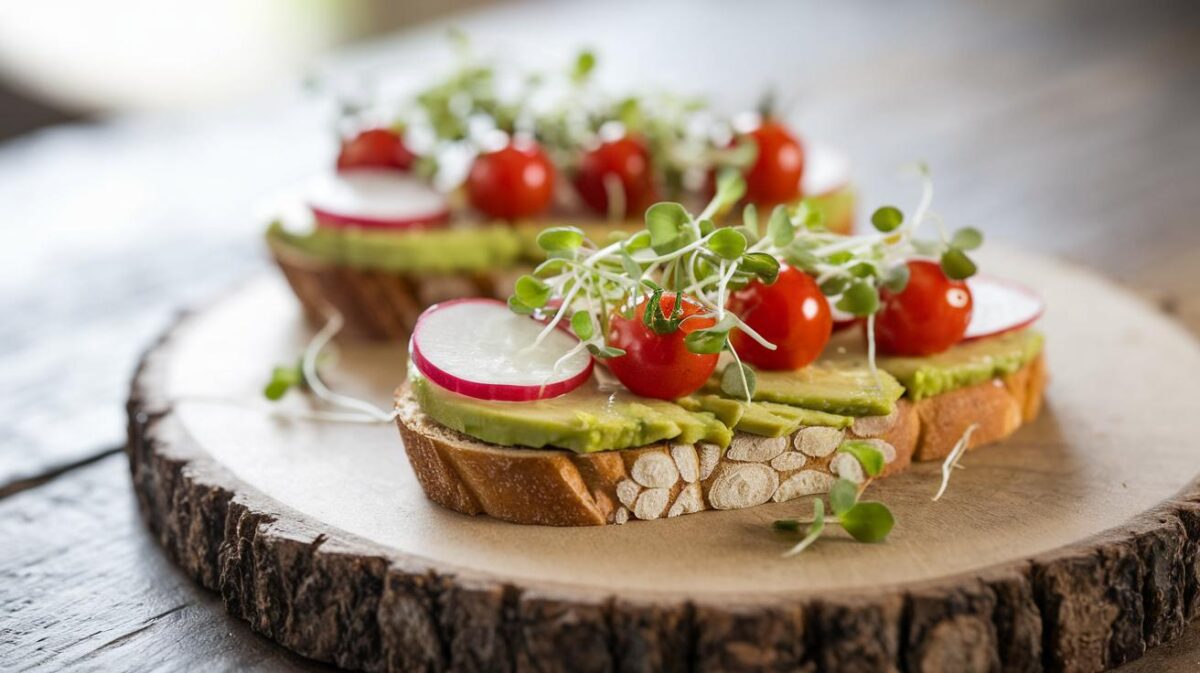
point(659, 365)
point(514, 181)
point(375, 148)
point(627, 161)
point(790, 313)
point(775, 176)
point(929, 316)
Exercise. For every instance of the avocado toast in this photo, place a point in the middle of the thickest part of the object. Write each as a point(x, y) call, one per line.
point(718, 394)
point(441, 195)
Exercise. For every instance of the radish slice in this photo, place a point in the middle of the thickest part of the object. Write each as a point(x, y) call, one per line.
point(826, 170)
point(1000, 306)
point(841, 319)
point(479, 348)
point(376, 199)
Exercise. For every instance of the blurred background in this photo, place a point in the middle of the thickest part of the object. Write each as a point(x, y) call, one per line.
point(139, 138)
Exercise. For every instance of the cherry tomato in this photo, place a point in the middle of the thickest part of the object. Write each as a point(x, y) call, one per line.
point(929, 316)
point(790, 313)
point(514, 181)
point(625, 160)
point(775, 176)
point(375, 148)
point(659, 365)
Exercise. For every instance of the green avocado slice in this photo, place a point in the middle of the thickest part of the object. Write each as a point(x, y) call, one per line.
point(584, 420)
point(844, 388)
point(965, 364)
point(430, 251)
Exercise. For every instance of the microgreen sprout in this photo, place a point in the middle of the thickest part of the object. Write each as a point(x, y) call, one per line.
point(865, 521)
point(679, 252)
point(951, 462)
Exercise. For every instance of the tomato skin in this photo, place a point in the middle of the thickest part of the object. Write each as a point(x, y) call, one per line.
point(929, 316)
point(791, 313)
point(775, 176)
point(629, 161)
point(375, 148)
point(514, 181)
point(659, 365)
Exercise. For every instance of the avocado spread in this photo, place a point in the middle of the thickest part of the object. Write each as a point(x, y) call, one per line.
point(584, 420)
point(965, 364)
point(433, 250)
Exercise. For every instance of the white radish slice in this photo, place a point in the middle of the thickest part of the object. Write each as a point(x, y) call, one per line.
point(481, 349)
point(376, 199)
point(1000, 306)
point(826, 170)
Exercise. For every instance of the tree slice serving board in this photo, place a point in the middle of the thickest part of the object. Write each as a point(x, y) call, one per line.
point(1073, 546)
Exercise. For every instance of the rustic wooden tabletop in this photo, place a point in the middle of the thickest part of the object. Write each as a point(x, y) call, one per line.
point(1072, 128)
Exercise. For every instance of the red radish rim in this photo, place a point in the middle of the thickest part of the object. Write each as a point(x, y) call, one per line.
point(495, 392)
point(435, 220)
point(1016, 287)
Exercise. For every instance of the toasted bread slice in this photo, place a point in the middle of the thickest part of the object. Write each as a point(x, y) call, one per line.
point(563, 488)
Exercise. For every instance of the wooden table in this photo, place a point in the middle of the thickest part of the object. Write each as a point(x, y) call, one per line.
point(1072, 129)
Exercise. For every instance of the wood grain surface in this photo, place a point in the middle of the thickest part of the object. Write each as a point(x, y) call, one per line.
point(1068, 126)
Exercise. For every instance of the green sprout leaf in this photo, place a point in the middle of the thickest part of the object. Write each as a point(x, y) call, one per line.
point(731, 187)
point(956, 265)
point(282, 380)
point(868, 456)
point(632, 269)
point(843, 496)
point(550, 268)
point(531, 292)
point(868, 521)
point(860, 299)
point(582, 325)
point(967, 238)
point(761, 264)
point(665, 221)
point(556, 239)
point(779, 228)
point(887, 218)
point(604, 352)
point(738, 381)
point(638, 241)
point(814, 529)
point(517, 306)
point(834, 286)
point(728, 243)
point(705, 341)
point(896, 278)
point(585, 62)
point(750, 217)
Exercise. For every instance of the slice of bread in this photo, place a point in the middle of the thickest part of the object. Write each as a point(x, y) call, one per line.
point(563, 488)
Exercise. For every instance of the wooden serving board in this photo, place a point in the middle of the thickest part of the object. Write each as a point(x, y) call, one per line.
point(1072, 546)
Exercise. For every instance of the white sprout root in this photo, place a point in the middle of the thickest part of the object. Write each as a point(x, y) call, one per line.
point(951, 461)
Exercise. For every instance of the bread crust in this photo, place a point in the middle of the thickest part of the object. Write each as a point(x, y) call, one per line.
point(562, 488)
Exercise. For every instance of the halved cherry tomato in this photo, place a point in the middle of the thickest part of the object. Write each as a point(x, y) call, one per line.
point(514, 181)
point(790, 313)
point(625, 161)
point(775, 176)
point(375, 148)
point(929, 316)
point(659, 364)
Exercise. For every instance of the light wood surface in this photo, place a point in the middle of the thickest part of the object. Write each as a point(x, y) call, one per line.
point(1091, 472)
point(1067, 126)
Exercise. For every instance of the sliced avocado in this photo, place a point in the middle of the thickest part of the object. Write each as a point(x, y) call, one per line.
point(845, 388)
point(584, 420)
point(451, 249)
point(965, 364)
point(807, 417)
point(768, 419)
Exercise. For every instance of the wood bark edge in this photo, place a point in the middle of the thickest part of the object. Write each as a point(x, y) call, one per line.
point(336, 598)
